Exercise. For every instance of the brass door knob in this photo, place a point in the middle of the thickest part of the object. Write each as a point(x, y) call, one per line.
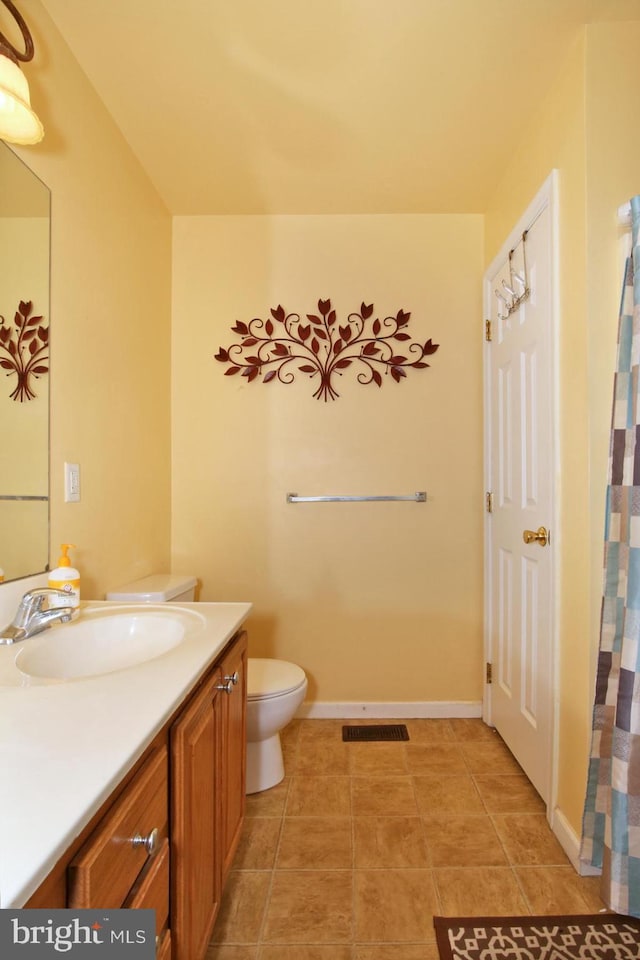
point(541, 536)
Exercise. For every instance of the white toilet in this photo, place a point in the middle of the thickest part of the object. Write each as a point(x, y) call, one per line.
point(158, 588)
point(275, 690)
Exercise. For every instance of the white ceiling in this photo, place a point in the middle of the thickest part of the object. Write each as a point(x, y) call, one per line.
point(324, 106)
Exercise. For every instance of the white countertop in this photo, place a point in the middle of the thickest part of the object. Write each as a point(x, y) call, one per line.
point(65, 745)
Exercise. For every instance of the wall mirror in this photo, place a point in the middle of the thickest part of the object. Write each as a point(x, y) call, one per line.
point(25, 221)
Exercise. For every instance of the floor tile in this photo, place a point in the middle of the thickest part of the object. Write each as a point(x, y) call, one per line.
point(479, 891)
point(308, 951)
point(310, 906)
point(316, 843)
point(394, 905)
point(222, 951)
point(377, 758)
point(396, 951)
point(258, 844)
point(389, 842)
point(216, 951)
point(320, 757)
point(527, 839)
point(463, 841)
point(289, 738)
point(489, 757)
point(291, 733)
point(351, 855)
point(448, 795)
point(327, 730)
point(473, 728)
point(429, 731)
point(383, 796)
point(268, 803)
point(242, 908)
point(509, 794)
point(435, 759)
point(290, 754)
point(559, 890)
point(319, 797)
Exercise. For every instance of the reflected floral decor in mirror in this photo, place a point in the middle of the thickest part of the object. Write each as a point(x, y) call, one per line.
point(25, 347)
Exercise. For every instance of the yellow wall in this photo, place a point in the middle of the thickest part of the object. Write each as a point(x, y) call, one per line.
point(379, 601)
point(586, 131)
point(110, 323)
point(613, 177)
point(557, 140)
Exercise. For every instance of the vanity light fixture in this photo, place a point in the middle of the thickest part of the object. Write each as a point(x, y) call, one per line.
point(18, 122)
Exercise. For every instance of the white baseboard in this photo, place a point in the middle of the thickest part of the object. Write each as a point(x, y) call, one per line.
point(421, 710)
point(570, 843)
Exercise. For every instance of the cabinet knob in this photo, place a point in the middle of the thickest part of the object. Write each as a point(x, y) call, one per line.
point(150, 843)
point(227, 687)
point(234, 677)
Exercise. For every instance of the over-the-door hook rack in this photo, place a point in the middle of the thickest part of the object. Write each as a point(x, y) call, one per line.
point(514, 277)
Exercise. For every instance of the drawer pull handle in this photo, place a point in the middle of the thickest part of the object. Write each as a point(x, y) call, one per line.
point(227, 687)
point(150, 843)
point(234, 677)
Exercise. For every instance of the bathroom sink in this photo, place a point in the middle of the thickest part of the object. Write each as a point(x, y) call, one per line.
point(92, 646)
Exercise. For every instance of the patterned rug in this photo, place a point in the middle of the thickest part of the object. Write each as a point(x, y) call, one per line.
point(599, 937)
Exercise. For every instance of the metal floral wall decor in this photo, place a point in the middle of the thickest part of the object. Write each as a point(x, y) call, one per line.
point(25, 347)
point(322, 348)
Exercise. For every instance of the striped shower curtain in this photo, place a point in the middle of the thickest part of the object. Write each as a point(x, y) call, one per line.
point(611, 823)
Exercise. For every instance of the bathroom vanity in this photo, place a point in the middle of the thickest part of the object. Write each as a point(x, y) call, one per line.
point(128, 788)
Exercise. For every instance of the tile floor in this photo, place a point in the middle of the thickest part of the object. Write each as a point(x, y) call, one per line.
point(354, 852)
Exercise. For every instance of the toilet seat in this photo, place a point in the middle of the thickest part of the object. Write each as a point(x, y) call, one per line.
point(267, 679)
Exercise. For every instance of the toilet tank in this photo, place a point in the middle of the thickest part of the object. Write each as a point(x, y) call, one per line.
point(157, 588)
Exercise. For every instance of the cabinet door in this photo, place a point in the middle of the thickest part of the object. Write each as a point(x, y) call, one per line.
point(234, 748)
point(195, 822)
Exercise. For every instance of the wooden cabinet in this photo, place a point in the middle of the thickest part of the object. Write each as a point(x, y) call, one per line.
point(207, 746)
point(234, 749)
point(196, 874)
point(167, 836)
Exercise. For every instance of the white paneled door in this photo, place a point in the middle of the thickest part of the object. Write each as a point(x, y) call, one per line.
point(519, 547)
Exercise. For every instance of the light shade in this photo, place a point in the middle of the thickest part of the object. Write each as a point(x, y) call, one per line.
point(18, 122)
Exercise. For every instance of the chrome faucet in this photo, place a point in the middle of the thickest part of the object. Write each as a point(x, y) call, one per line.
point(33, 617)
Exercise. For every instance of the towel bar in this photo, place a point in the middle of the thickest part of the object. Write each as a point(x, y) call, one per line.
point(419, 497)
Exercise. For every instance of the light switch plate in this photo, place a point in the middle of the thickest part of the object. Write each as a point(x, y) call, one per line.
point(71, 482)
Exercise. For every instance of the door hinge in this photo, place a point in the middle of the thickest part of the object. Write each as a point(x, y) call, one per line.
point(487, 330)
point(489, 673)
point(489, 501)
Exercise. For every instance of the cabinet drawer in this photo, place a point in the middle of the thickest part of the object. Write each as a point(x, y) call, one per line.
point(152, 888)
point(105, 869)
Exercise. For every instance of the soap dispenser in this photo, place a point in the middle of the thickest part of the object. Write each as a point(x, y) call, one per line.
point(65, 578)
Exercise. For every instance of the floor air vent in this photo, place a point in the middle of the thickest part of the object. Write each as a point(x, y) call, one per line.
point(370, 732)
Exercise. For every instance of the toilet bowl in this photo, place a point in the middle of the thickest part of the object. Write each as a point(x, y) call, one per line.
point(275, 690)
